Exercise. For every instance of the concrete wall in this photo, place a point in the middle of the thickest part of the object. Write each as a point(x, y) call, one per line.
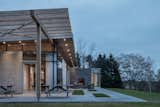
point(96, 77)
point(49, 69)
point(11, 70)
point(64, 74)
point(69, 71)
point(72, 76)
point(55, 68)
point(90, 76)
point(81, 73)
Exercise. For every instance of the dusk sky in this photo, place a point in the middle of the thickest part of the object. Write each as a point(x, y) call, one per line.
point(115, 26)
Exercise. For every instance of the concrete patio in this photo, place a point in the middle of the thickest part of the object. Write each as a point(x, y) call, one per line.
point(61, 97)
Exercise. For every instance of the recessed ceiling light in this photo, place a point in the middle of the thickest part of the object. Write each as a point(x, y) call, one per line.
point(66, 44)
point(35, 40)
point(68, 50)
point(69, 54)
point(4, 42)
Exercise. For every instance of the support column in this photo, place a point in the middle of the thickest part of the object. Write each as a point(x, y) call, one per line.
point(68, 76)
point(64, 74)
point(55, 69)
point(49, 70)
point(69, 70)
point(38, 58)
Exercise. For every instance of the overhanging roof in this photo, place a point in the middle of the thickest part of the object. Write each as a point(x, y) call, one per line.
point(19, 25)
point(55, 25)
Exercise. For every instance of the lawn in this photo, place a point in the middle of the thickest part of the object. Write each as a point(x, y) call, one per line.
point(151, 97)
point(77, 92)
point(79, 105)
point(100, 95)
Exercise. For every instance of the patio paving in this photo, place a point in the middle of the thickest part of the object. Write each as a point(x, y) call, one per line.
point(88, 97)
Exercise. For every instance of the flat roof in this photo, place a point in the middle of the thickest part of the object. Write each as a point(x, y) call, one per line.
point(21, 26)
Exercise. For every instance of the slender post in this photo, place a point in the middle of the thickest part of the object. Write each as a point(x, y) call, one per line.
point(38, 82)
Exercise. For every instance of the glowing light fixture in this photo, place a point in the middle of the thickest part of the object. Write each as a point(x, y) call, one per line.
point(68, 50)
point(19, 41)
point(69, 54)
point(64, 39)
point(4, 42)
point(66, 44)
point(70, 57)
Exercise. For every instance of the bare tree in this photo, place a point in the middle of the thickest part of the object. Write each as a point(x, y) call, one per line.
point(91, 49)
point(135, 68)
point(158, 75)
point(90, 55)
point(85, 52)
point(149, 73)
point(81, 50)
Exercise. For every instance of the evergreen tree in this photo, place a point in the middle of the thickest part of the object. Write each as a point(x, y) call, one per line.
point(110, 76)
point(89, 59)
point(113, 72)
point(101, 63)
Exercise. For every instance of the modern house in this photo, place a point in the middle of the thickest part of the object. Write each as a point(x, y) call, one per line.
point(36, 49)
point(34, 45)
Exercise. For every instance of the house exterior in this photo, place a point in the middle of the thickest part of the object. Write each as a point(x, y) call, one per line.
point(35, 45)
point(37, 51)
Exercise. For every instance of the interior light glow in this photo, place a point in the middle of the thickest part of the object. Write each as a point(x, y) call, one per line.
point(4, 42)
point(66, 44)
point(19, 41)
point(68, 50)
point(69, 54)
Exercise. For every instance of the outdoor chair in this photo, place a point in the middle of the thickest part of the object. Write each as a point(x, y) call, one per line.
point(7, 90)
point(58, 87)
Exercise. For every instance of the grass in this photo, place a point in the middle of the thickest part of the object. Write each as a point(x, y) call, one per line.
point(78, 92)
point(79, 105)
point(151, 97)
point(100, 95)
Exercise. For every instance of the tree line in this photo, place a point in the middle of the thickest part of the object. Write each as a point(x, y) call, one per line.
point(132, 71)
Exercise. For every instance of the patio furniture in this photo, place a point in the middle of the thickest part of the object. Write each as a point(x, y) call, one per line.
point(58, 87)
point(8, 90)
point(45, 88)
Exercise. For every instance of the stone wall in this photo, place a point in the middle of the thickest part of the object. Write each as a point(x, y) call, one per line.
point(11, 70)
point(81, 74)
point(86, 74)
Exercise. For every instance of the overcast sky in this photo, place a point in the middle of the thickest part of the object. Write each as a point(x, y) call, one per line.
point(115, 26)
